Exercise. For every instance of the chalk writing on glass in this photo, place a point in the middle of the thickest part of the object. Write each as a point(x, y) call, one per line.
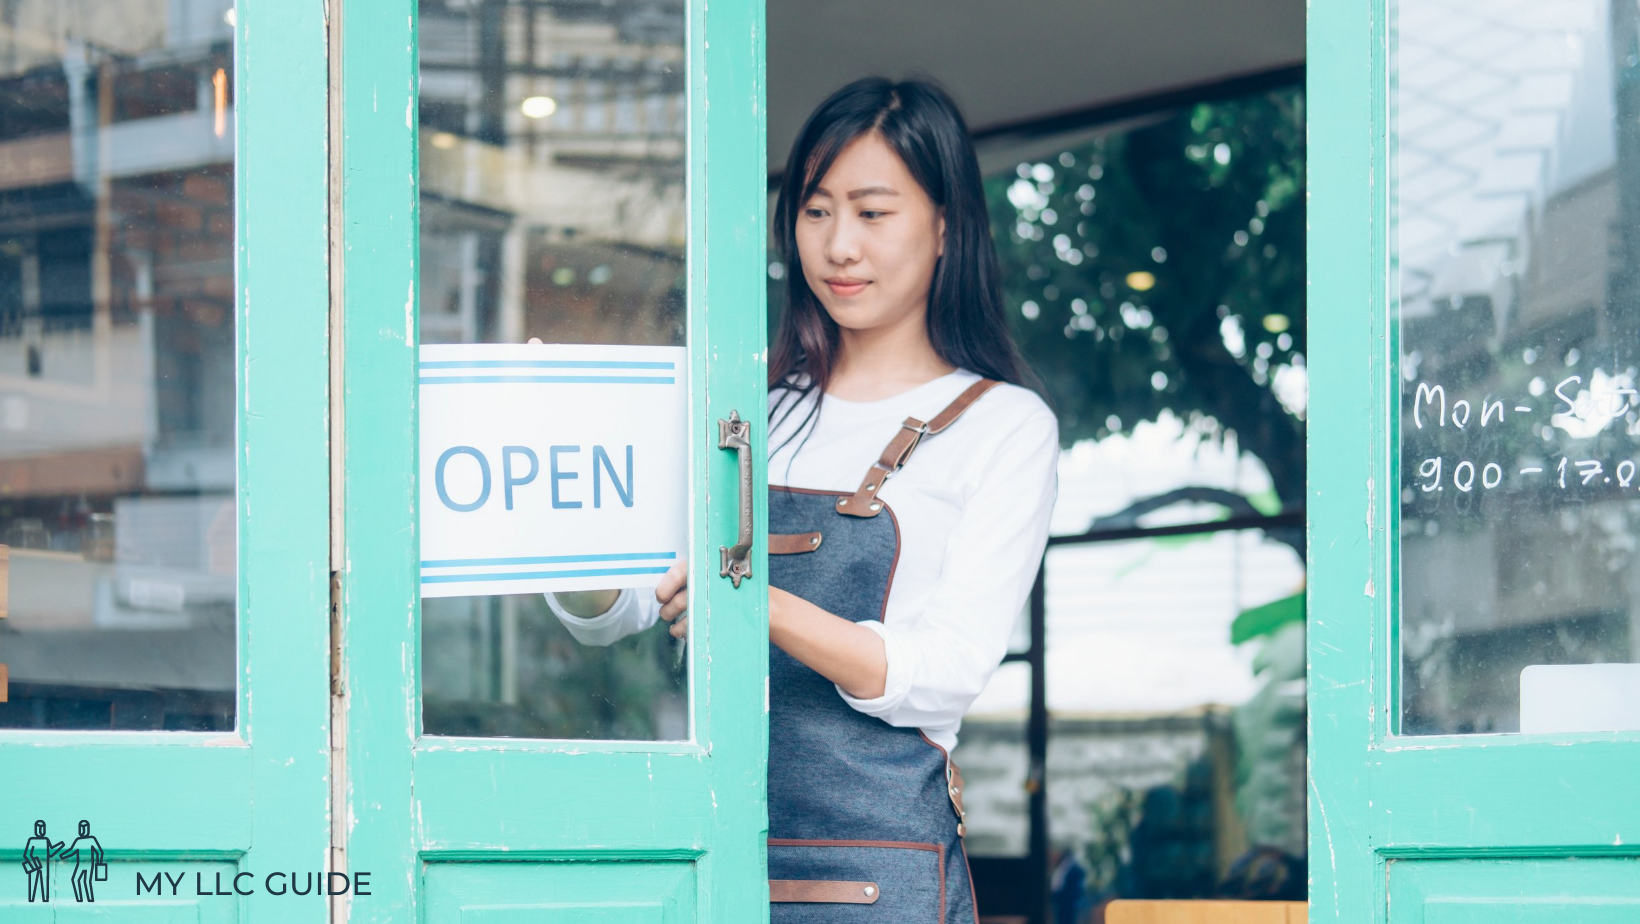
point(1578, 409)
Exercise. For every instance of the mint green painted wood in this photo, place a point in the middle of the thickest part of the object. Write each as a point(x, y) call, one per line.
point(1382, 806)
point(200, 784)
point(561, 893)
point(1599, 891)
point(284, 443)
point(729, 355)
point(379, 579)
point(457, 806)
point(119, 903)
point(1347, 581)
point(258, 796)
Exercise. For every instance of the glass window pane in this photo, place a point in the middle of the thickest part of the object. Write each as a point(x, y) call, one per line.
point(1515, 230)
point(552, 151)
point(117, 514)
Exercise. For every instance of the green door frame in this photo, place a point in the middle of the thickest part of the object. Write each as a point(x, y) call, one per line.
point(1377, 799)
point(253, 799)
point(417, 804)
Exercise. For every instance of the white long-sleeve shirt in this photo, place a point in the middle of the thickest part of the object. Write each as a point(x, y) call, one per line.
point(972, 505)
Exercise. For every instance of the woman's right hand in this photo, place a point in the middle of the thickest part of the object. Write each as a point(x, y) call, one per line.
point(673, 595)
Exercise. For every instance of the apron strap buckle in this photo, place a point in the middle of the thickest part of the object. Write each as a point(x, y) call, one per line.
point(863, 502)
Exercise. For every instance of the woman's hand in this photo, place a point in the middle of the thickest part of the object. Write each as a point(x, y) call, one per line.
point(673, 595)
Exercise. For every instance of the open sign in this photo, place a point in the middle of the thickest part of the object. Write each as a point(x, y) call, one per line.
point(551, 467)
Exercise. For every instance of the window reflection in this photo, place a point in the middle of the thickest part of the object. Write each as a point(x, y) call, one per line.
point(1518, 221)
point(552, 151)
point(117, 518)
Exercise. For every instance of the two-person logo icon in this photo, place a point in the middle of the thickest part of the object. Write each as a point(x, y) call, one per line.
point(89, 867)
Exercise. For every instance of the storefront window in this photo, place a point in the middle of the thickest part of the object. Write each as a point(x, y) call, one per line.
point(117, 507)
point(553, 142)
point(1516, 244)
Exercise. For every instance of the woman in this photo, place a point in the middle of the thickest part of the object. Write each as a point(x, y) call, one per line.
point(893, 591)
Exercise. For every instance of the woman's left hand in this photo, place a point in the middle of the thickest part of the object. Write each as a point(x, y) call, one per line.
point(673, 595)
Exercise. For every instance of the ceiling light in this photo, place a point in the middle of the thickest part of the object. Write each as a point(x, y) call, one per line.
point(539, 107)
point(1141, 281)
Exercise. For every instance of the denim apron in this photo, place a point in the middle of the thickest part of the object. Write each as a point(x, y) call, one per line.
point(865, 819)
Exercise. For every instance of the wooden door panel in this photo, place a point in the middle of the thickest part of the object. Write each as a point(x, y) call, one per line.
point(1416, 763)
point(1585, 890)
point(185, 716)
point(576, 892)
point(508, 820)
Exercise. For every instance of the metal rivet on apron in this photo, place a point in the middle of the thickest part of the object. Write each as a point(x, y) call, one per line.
point(871, 487)
point(876, 506)
point(843, 502)
point(814, 540)
point(870, 891)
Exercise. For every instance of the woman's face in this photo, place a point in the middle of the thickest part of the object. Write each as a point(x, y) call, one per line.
point(869, 238)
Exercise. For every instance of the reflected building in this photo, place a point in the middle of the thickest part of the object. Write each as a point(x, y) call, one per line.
point(553, 176)
point(117, 359)
point(1516, 197)
point(553, 141)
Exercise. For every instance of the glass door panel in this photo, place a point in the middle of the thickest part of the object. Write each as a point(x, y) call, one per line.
point(560, 190)
point(552, 149)
point(1472, 341)
point(117, 333)
point(164, 499)
point(1517, 246)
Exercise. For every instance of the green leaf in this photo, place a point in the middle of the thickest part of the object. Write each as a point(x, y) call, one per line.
point(1267, 502)
point(1262, 620)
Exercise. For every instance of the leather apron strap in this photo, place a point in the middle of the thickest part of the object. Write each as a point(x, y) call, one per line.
point(863, 502)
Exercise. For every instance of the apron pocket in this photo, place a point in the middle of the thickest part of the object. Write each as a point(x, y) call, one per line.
point(837, 882)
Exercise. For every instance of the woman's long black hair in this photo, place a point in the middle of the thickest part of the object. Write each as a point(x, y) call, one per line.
point(967, 323)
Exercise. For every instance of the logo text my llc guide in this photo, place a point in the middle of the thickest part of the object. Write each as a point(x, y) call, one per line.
point(41, 854)
point(246, 883)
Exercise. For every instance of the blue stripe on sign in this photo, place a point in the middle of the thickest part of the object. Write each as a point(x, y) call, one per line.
point(532, 575)
point(561, 379)
point(543, 364)
point(544, 559)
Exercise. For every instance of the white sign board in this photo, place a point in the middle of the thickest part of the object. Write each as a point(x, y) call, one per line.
point(551, 467)
point(1567, 698)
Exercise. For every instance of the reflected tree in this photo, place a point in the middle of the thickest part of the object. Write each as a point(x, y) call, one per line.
point(1162, 269)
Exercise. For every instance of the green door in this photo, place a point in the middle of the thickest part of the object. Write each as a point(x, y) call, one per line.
point(163, 460)
point(584, 174)
point(1474, 613)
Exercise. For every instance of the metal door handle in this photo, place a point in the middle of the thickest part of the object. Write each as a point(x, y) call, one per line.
point(736, 434)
